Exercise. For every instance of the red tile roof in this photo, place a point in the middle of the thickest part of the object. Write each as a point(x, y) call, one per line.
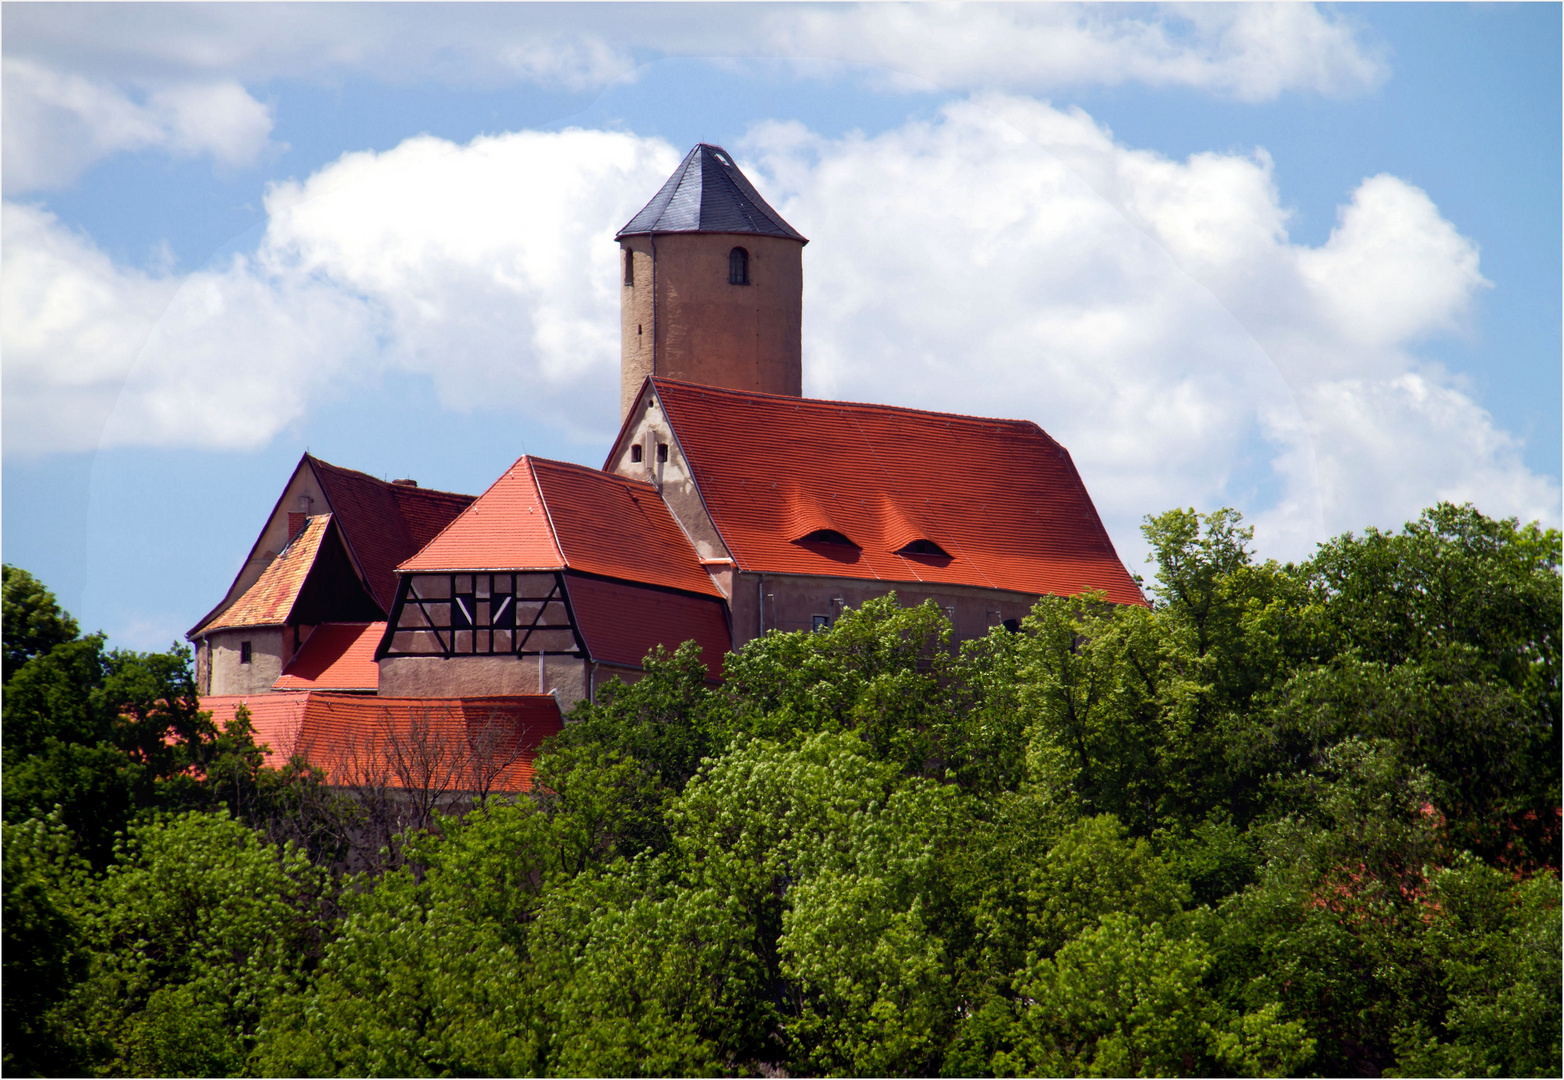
point(550, 515)
point(451, 744)
point(621, 623)
point(270, 600)
point(336, 656)
point(384, 523)
point(1000, 496)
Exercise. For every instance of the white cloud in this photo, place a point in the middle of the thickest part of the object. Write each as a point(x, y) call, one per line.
point(1005, 258)
point(73, 75)
point(489, 267)
point(1152, 314)
point(57, 124)
point(1252, 52)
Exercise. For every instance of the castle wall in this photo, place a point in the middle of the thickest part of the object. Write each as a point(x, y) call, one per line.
point(703, 329)
point(763, 602)
point(268, 654)
point(484, 676)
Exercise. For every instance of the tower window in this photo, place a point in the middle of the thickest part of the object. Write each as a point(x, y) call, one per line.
point(738, 267)
point(629, 267)
point(635, 452)
point(244, 652)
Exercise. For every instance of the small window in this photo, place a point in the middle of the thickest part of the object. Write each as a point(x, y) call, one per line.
point(738, 267)
point(1013, 625)
point(662, 451)
point(924, 547)
point(826, 536)
point(629, 267)
point(821, 622)
point(635, 452)
point(244, 652)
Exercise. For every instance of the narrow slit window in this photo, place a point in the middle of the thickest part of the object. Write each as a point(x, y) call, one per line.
point(629, 267)
point(738, 267)
point(245, 652)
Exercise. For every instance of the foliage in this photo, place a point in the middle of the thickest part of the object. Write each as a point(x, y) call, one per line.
point(1283, 819)
point(32, 619)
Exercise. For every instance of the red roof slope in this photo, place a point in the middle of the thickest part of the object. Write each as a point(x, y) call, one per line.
point(384, 523)
point(999, 496)
point(336, 656)
point(550, 515)
point(270, 600)
point(449, 744)
point(622, 623)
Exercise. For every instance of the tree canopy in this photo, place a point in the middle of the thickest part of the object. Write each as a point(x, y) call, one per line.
point(1284, 819)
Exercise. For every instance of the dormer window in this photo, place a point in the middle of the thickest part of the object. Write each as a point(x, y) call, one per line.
point(827, 536)
point(738, 267)
point(924, 547)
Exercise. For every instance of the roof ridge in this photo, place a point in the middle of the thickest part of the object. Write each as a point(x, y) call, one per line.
point(359, 474)
point(869, 406)
point(449, 525)
point(595, 472)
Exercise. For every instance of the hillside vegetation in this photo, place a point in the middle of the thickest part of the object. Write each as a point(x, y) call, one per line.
point(1286, 820)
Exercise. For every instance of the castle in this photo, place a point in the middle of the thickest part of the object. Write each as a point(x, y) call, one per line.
point(729, 505)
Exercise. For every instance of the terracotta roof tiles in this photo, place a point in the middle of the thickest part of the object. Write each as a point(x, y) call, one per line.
point(1000, 497)
point(550, 515)
point(336, 656)
point(384, 523)
point(453, 744)
point(270, 600)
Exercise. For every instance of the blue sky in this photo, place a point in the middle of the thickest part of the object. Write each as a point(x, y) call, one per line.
point(1301, 261)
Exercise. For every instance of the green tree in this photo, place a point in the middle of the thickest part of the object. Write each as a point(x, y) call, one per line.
point(32, 619)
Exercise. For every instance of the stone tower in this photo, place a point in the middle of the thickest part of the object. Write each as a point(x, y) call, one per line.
point(712, 285)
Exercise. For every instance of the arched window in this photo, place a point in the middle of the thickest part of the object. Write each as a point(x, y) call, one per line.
point(738, 267)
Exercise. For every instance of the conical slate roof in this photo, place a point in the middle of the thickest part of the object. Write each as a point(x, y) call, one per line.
point(708, 193)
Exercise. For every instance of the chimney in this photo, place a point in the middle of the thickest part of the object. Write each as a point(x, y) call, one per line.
point(405, 483)
point(295, 524)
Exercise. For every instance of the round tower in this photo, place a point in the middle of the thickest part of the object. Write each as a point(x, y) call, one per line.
point(712, 285)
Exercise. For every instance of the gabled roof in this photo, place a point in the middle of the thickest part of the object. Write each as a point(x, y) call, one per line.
point(444, 744)
point(384, 523)
point(550, 515)
point(1000, 497)
point(336, 656)
point(380, 524)
point(708, 193)
point(270, 600)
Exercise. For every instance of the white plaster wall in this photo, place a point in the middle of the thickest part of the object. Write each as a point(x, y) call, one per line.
point(267, 657)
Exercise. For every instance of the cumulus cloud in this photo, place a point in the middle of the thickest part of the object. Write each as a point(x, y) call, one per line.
point(1003, 258)
point(56, 124)
point(1251, 52)
point(490, 267)
point(70, 70)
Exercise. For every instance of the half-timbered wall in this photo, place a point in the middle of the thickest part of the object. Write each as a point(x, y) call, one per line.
point(449, 615)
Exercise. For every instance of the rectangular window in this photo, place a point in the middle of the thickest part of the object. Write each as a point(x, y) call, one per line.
point(821, 622)
point(662, 451)
point(629, 267)
point(635, 452)
point(244, 652)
